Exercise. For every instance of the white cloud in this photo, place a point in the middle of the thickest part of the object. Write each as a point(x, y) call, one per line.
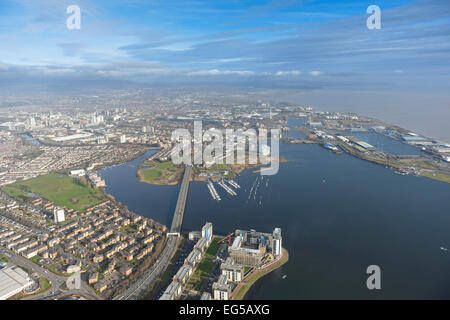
point(316, 73)
point(4, 66)
point(288, 73)
point(216, 72)
point(235, 60)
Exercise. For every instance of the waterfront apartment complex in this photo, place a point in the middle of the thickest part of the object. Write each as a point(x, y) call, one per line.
point(250, 247)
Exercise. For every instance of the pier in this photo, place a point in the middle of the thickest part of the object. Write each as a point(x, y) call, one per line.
point(227, 188)
point(234, 184)
point(213, 191)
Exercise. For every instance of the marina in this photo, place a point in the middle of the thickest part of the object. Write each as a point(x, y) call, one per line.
point(234, 184)
point(253, 193)
point(213, 191)
point(226, 188)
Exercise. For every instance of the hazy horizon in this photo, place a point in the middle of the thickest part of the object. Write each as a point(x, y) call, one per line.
point(399, 73)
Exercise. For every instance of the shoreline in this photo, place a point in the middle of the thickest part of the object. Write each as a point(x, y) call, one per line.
point(395, 163)
point(242, 289)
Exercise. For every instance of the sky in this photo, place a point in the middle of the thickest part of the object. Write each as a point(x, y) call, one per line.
point(322, 45)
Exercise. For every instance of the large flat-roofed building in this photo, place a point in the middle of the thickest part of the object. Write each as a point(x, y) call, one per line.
point(12, 281)
point(412, 137)
point(78, 173)
point(72, 137)
point(246, 255)
point(250, 247)
point(365, 145)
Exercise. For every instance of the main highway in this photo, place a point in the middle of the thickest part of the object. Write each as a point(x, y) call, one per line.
point(138, 288)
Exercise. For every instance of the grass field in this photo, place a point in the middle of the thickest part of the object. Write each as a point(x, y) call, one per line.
point(419, 164)
point(204, 268)
point(45, 285)
point(62, 274)
point(3, 258)
point(439, 176)
point(213, 248)
point(244, 288)
point(59, 189)
point(129, 228)
point(160, 172)
point(220, 167)
point(36, 259)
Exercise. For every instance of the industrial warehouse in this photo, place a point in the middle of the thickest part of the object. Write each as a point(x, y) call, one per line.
point(12, 281)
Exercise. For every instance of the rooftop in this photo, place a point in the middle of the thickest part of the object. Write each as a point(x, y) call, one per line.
point(12, 281)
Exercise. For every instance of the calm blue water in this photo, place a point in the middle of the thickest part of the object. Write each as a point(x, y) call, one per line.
point(156, 202)
point(338, 215)
point(377, 140)
point(296, 122)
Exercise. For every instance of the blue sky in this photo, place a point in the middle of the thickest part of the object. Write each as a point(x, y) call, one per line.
point(304, 43)
point(399, 73)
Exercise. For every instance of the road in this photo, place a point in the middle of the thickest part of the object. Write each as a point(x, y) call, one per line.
point(139, 287)
point(57, 281)
point(181, 203)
